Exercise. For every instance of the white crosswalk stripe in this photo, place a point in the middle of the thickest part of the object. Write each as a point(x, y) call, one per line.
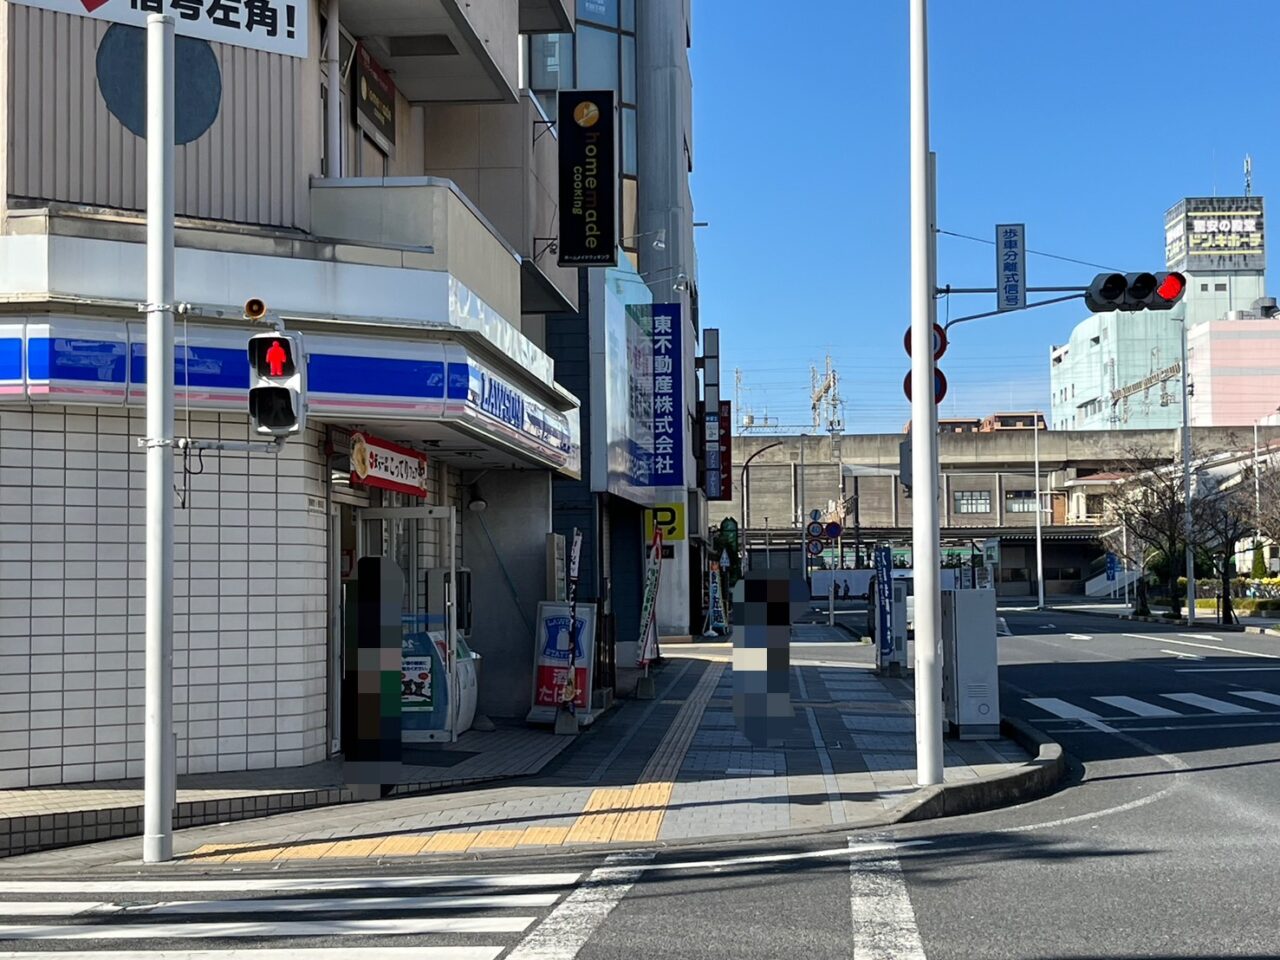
point(1139, 708)
point(1062, 709)
point(1260, 695)
point(1211, 704)
point(428, 918)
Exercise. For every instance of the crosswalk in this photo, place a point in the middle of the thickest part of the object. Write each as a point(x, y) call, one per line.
point(456, 917)
point(1233, 703)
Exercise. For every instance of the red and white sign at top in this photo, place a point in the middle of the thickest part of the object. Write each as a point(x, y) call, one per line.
point(275, 26)
point(381, 463)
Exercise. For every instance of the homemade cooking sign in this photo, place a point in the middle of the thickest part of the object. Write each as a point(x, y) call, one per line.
point(274, 26)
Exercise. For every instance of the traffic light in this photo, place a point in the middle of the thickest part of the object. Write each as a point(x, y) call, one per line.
point(1134, 291)
point(277, 384)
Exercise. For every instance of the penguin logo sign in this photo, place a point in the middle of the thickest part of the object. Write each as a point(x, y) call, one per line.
point(669, 518)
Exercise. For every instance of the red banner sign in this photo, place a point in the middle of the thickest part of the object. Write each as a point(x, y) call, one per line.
point(380, 463)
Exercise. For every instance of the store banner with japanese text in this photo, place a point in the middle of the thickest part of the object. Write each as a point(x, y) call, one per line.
point(668, 396)
point(380, 463)
point(374, 101)
point(561, 639)
point(274, 26)
point(648, 647)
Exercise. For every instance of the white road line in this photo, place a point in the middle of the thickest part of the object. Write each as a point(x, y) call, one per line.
point(1138, 707)
point(1208, 703)
point(1078, 636)
point(285, 884)
point(884, 922)
point(1260, 695)
point(1204, 646)
point(55, 908)
point(1226, 669)
point(1069, 711)
point(1201, 636)
point(337, 904)
point(1183, 656)
point(566, 930)
point(258, 953)
point(382, 927)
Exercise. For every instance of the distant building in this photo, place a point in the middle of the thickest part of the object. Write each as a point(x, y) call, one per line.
point(1123, 371)
point(997, 421)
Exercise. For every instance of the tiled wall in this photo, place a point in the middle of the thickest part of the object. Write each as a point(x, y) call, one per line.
point(249, 599)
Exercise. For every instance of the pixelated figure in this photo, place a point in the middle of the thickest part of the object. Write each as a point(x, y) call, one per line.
point(771, 599)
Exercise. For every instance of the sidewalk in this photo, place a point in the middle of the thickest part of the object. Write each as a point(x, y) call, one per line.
point(1204, 618)
point(666, 770)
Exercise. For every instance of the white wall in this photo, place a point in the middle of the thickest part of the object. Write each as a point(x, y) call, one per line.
point(249, 600)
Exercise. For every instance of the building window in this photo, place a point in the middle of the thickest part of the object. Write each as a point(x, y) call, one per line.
point(550, 65)
point(1204, 288)
point(599, 11)
point(629, 164)
point(1094, 504)
point(1220, 288)
point(1020, 501)
point(973, 501)
point(597, 59)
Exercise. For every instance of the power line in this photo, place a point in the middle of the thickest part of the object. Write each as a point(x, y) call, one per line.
point(1038, 253)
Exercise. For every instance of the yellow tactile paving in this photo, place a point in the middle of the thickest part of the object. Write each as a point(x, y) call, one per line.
point(258, 855)
point(306, 851)
point(402, 846)
point(363, 847)
point(543, 836)
point(497, 839)
point(449, 843)
point(598, 827)
point(216, 852)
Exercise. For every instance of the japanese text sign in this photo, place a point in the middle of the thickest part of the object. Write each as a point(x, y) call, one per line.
point(1011, 266)
point(274, 26)
point(381, 463)
point(668, 397)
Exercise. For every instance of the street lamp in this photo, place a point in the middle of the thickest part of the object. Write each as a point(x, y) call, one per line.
point(743, 483)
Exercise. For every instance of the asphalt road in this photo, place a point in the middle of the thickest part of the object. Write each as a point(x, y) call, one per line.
point(1166, 844)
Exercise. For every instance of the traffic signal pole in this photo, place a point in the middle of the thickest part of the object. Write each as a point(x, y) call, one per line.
point(160, 761)
point(1186, 480)
point(925, 531)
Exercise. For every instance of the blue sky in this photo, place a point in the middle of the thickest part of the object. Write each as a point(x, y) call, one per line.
point(1046, 112)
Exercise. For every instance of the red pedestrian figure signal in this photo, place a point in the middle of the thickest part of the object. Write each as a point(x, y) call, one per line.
point(275, 357)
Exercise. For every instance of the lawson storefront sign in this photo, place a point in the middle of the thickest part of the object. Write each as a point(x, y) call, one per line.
point(75, 361)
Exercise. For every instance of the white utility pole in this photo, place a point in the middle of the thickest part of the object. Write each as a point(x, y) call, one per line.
point(1039, 510)
point(159, 756)
point(925, 533)
point(1186, 478)
point(1124, 545)
point(333, 132)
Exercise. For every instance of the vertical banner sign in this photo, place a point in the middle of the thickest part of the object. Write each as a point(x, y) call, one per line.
point(668, 397)
point(718, 622)
point(713, 480)
point(725, 444)
point(1111, 566)
point(569, 693)
point(588, 179)
point(1011, 266)
point(648, 649)
point(374, 101)
point(557, 638)
point(884, 601)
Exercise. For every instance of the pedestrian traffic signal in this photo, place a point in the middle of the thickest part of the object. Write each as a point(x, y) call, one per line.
point(277, 384)
point(1134, 291)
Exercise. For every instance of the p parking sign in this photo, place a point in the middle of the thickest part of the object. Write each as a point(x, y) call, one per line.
point(669, 517)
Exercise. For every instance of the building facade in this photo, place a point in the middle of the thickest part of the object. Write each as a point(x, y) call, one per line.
point(1124, 370)
point(401, 233)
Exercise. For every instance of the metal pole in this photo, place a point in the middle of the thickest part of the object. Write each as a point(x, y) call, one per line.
point(831, 603)
point(924, 504)
point(1039, 537)
point(159, 752)
point(1186, 479)
point(1257, 492)
point(334, 132)
point(1124, 543)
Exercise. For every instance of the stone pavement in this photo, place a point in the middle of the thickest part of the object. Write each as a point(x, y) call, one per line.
point(670, 769)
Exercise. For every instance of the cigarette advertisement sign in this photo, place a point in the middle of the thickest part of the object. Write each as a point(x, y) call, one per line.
point(557, 641)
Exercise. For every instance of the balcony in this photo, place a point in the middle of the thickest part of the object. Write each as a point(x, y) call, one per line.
point(504, 157)
point(430, 217)
point(546, 16)
point(444, 49)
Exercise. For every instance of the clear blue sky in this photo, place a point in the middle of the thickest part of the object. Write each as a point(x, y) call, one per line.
point(1046, 112)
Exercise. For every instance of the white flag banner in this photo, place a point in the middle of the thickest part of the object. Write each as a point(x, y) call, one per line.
point(276, 26)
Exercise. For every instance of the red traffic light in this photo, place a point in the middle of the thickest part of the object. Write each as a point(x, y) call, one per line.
point(1172, 286)
point(272, 356)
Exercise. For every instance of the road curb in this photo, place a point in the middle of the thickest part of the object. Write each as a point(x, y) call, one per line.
point(1033, 779)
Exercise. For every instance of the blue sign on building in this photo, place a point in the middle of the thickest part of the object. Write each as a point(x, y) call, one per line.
point(1111, 566)
point(668, 397)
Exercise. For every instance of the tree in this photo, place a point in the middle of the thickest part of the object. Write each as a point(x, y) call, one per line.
point(1259, 562)
point(1147, 501)
point(1224, 515)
